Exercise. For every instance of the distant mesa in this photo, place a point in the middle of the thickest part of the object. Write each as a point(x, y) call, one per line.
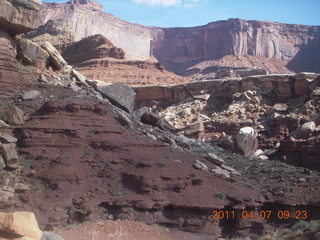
point(182, 48)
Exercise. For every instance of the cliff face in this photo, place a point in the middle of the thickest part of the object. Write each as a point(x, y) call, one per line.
point(19, 16)
point(87, 18)
point(181, 48)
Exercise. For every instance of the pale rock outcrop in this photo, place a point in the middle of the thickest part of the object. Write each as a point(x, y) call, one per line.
point(20, 223)
point(245, 144)
point(32, 54)
point(56, 59)
point(305, 130)
point(31, 95)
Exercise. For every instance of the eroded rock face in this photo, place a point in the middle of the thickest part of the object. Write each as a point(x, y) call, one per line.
point(132, 38)
point(231, 37)
point(181, 48)
point(93, 47)
point(19, 16)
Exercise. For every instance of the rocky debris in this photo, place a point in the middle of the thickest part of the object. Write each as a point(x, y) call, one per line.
point(220, 171)
point(304, 131)
point(280, 107)
point(50, 236)
point(10, 155)
point(200, 166)
point(31, 95)
point(153, 119)
point(79, 77)
point(58, 32)
point(92, 47)
point(215, 159)
point(317, 120)
point(247, 130)
point(15, 115)
point(21, 224)
point(245, 144)
point(55, 58)
point(194, 128)
point(6, 138)
point(184, 141)
point(120, 94)
point(32, 54)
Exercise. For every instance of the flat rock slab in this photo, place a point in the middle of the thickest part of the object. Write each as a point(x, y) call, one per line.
point(120, 95)
point(6, 138)
point(31, 95)
point(10, 155)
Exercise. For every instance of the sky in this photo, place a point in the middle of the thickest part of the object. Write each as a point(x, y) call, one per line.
point(188, 13)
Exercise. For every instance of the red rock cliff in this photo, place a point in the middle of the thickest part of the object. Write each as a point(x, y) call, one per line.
point(180, 48)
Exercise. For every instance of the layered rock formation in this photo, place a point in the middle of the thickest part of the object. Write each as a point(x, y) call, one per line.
point(19, 16)
point(97, 58)
point(181, 48)
point(132, 38)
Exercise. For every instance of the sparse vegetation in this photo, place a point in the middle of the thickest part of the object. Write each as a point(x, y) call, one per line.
point(193, 175)
point(161, 165)
point(121, 194)
point(220, 196)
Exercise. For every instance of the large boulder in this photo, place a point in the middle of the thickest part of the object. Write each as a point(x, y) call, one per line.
point(56, 60)
point(120, 95)
point(10, 155)
point(20, 223)
point(31, 53)
point(245, 144)
point(19, 16)
point(15, 115)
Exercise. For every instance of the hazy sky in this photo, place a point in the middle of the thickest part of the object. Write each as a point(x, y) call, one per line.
point(172, 13)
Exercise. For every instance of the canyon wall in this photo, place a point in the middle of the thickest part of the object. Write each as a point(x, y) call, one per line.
point(87, 18)
point(183, 47)
point(180, 48)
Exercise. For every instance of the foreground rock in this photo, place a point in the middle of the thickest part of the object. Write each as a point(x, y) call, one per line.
point(21, 224)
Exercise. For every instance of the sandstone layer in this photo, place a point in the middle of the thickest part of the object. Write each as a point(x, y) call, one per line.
point(19, 16)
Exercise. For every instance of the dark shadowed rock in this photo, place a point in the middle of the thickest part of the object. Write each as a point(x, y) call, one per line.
point(154, 119)
point(245, 144)
point(305, 130)
point(120, 95)
point(10, 155)
point(15, 115)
